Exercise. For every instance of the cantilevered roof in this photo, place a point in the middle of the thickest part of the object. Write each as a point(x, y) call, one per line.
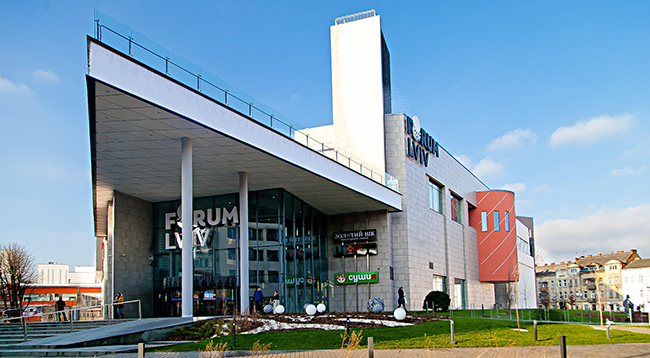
point(138, 117)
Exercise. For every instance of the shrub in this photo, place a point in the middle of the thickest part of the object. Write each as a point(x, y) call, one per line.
point(548, 315)
point(437, 300)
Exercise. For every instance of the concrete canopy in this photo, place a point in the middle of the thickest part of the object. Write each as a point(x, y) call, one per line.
point(138, 117)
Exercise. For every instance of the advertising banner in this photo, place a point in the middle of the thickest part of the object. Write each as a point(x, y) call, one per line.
point(347, 278)
point(343, 237)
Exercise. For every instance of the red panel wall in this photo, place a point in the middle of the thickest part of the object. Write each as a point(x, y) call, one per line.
point(497, 250)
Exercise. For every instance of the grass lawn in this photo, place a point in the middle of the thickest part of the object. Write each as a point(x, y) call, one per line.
point(468, 333)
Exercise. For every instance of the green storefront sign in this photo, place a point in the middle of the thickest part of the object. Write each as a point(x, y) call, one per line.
point(347, 278)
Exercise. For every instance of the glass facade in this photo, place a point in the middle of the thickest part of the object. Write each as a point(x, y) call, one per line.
point(287, 253)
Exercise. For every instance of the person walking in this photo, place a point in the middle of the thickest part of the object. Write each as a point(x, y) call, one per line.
point(258, 296)
point(628, 306)
point(275, 299)
point(401, 300)
point(119, 305)
point(60, 307)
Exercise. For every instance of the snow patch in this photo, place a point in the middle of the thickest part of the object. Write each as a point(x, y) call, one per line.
point(378, 322)
point(271, 325)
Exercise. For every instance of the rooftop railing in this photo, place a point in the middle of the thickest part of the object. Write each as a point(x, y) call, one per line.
point(123, 39)
point(354, 17)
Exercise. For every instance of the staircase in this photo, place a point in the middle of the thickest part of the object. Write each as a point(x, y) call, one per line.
point(14, 333)
point(86, 338)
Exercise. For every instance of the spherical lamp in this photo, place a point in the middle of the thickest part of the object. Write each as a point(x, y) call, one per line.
point(399, 314)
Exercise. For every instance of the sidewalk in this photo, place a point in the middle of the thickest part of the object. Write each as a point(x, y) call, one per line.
point(594, 351)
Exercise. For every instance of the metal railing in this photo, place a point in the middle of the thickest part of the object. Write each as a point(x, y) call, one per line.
point(25, 320)
point(123, 39)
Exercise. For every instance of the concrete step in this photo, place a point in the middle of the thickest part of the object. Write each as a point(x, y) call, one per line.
point(80, 351)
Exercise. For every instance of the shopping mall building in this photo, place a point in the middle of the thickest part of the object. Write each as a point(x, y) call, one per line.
point(335, 214)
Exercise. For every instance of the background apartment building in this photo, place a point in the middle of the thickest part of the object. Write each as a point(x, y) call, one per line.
point(636, 283)
point(584, 282)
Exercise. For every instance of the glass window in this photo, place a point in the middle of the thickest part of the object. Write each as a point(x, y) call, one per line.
point(274, 276)
point(616, 280)
point(455, 208)
point(640, 278)
point(438, 283)
point(506, 217)
point(272, 255)
point(435, 197)
point(484, 223)
point(496, 221)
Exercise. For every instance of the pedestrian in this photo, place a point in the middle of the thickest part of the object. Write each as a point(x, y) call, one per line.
point(119, 305)
point(60, 307)
point(275, 299)
point(401, 300)
point(257, 297)
point(628, 306)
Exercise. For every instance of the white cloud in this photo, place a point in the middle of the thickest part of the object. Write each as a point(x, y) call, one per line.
point(516, 187)
point(590, 131)
point(464, 160)
point(513, 139)
point(487, 167)
point(7, 86)
point(45, 76)
point(622, 172)
point(541, 188)
point(523, 204)
point(605, 231)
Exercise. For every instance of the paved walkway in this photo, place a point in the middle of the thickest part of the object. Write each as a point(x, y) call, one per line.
point(633, 350)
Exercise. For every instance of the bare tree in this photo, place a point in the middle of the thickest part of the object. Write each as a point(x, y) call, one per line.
point(509, 297)
point(17, 273)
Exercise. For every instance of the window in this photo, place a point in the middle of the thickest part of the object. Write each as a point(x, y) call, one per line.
point(392, 273)
point(274, 276)
point(435, 197)
point(610, 280)
point(616, 280)
point(626, 280)
point(506, 217)
point(611, 294)
point(585, 294)
point(438, 283)
point(271, 255)
point(455, 208)
point(552, 284)
point(484, 221)
point(640, 278)
point(496, 221)
point(252, 254)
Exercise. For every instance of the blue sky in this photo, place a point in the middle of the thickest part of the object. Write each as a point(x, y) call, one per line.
point(549, 99)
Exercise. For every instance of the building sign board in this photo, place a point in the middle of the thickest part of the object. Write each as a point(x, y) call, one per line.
point(363, 249)
point(347, 278)
point(203, 222)
point(419, 143)
point(343, 237)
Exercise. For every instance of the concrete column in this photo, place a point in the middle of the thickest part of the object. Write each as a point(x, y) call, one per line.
point(187, 294)
point(243, 242)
